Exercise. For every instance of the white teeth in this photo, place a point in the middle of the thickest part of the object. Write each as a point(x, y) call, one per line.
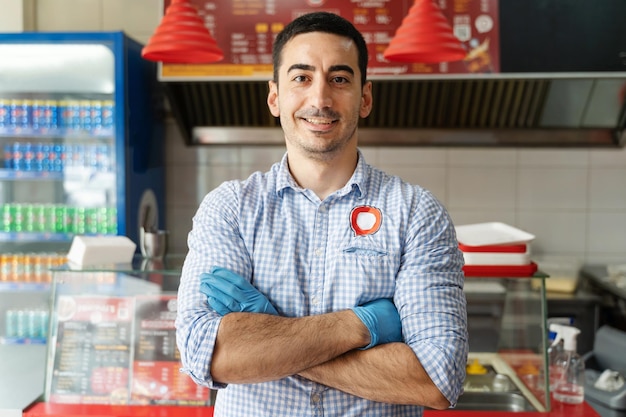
point(318, 122)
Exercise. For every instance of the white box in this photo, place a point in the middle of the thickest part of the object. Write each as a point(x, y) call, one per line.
point(101, 250)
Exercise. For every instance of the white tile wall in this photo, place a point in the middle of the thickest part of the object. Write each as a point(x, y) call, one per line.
point(574, 200)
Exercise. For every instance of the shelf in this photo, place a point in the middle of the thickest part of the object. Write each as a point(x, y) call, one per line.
point(73, 174)
point(55, 133)
point(24, 286)
point(23, 340)
point(35, 237)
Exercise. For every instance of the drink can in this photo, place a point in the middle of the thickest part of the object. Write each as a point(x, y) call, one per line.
point(63, 114)
point(85, 115)
point(96, 114)
point(108, 114)
point(91, 220)
point(11, 323)
point(6, 266)
point(49, 218)
point(72, 115)
point(20, 113)
point(38, 218)
point(37, 114)
point(5, 113)
point(60, 225)
point(7, 219)
point(54, 156)
point(80, 220)
point(70, 219)
point(29, 218)
point(8, 155)
point(38, 157)
point(18, 156)
point(112, 221)
point(28, 156)
point(20, 324)
point(91, 157)
point(17, 269)
point(78, 155)
point(102, 158)
point(103, 221)
point(50, 115)
point(18, 217)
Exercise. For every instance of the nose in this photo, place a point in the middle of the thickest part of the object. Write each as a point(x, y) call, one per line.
point(321, 94)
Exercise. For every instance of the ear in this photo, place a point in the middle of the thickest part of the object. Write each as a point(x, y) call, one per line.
point(272, 99)
point(366, 100)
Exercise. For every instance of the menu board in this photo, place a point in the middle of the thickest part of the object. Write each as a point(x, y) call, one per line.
point(156, 375)
point(245, 31)
point(92, 350)
point(118, 350)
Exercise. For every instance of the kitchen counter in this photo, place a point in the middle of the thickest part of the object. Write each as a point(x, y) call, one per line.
point(76, 410)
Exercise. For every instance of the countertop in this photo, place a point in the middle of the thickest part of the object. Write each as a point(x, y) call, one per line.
point(73, 410)
point(22, 369)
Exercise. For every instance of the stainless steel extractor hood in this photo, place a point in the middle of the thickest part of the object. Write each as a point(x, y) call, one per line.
point(531, 111)
point(562, 82)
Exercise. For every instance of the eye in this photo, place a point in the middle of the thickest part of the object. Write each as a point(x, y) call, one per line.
point(339, 80)
point(300, 78)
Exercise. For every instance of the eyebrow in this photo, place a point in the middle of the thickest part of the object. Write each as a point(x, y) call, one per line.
point(334, 68)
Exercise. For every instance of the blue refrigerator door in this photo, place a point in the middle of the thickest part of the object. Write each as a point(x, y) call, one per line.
point(82, 139)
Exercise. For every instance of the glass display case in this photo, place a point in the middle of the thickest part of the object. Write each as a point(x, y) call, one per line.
point(112, 337)
point(507, 366)
point(112, 341)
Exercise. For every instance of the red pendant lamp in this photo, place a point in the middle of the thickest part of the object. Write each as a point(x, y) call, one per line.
point(425, 36)
point(182, 38)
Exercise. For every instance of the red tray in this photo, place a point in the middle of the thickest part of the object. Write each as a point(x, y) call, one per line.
point(500, 270)
point(519, 248)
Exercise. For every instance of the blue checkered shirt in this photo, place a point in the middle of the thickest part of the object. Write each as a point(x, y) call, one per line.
point(306, 257)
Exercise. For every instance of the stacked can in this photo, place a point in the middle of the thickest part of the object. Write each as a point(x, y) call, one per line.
point(29, 267)
point(56, 157)
point(44, 115)
point(5, 113)
point(27, 323)
point(20, 114)
point(108, 114)
point(57, 218)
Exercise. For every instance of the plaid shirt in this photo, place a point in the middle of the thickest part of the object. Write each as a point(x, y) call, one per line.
point(377, 237)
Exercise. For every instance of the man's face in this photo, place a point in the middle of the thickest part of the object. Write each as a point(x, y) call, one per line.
point(318, 97)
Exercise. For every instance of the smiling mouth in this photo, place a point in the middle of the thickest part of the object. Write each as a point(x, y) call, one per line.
point(320, 122)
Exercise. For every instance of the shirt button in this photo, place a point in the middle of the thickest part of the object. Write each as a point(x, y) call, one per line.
point(315, 398)
point(315, 301)
point(319, 252)
point(322, 209)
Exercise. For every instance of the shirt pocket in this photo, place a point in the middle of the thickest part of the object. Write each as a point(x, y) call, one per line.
point(372, 269)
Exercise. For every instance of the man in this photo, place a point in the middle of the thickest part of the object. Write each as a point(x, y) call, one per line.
point(324, 286)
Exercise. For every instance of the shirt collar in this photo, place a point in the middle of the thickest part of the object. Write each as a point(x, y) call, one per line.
point(357, 182)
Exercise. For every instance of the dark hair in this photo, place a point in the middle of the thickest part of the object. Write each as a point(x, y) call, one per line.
point(320, 22)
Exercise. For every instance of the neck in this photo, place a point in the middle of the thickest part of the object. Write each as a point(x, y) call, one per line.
point(323, 177)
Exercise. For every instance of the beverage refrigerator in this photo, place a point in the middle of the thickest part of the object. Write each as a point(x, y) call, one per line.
point(82, 154)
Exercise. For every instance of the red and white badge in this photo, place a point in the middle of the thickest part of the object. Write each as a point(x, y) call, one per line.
point(365, 220)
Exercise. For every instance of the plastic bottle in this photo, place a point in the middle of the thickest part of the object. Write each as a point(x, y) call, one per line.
point(555, 348)
point(570, 386)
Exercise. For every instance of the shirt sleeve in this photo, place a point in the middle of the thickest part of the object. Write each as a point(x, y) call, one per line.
point(213, 240)
point(429, 296)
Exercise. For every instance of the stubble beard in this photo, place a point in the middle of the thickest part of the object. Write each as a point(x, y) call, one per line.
point(323, 150)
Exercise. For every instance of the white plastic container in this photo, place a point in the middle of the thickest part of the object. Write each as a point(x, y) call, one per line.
point(496, 258)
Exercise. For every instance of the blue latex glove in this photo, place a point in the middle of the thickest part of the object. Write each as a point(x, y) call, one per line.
point(382, 320)
point(228, 292)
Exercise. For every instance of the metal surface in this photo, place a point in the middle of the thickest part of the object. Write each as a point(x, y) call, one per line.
point(418, 137)
point(494, 401)
point(22, 372)
point(496, 111)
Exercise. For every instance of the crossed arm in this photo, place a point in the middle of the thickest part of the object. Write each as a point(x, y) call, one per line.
point(356, 351)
